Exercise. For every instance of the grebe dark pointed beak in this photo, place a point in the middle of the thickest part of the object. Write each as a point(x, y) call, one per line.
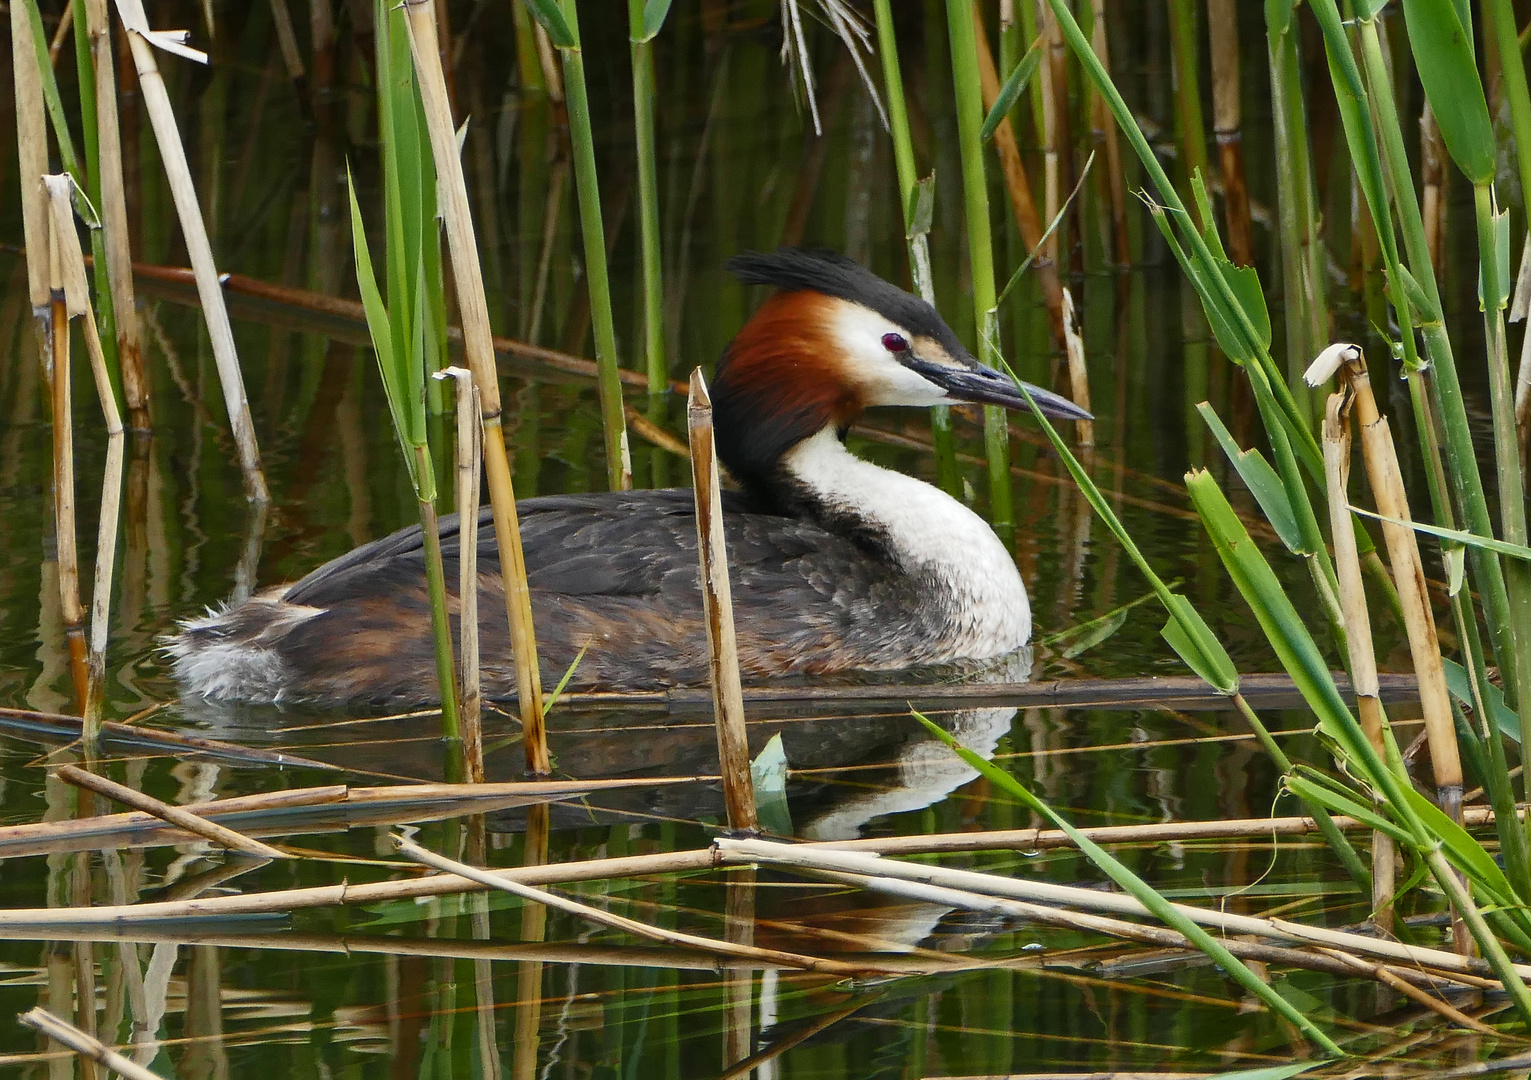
point(983, 385)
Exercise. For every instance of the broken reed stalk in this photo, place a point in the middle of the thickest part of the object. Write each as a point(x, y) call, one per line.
point(1363, 661)
point(617, 922)
point(175, 815)
point(88, 1046)
point(156, 99)
point(1018, 187)
point(77, 304)
point(478, 346)
point(1079, 372)
point(468, 452)
point(962, 23)
point(1409, 577)
point(718, 610)
point(470, 705)
point(619, 465)
point(62, 418)
point(1227, 127)
point(114, 218)
point(32, 163)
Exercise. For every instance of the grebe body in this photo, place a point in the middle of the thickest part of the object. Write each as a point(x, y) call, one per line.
point(836, 564)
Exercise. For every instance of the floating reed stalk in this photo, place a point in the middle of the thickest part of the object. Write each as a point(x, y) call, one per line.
point(77, 304)
point(162, 118)
point(1039, 244)
point(619, 466)
point(966, 73)
point(1227, 127)
point(469, 441)
point(1363, 661)
point(114, 218)
point(89, 1047)
point(617, 922)
point(175, 815)
point(718, 608)
point(478, 345)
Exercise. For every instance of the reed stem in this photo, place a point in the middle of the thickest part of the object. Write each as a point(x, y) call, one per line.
point(468, 456)
point(199, 250)
point(970, 113)
point(619, 465)
point(478, 345)
point(642, 49)
point(718, 608)
point(916, 226)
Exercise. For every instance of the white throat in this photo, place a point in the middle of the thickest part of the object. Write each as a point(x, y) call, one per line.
point(930, 533)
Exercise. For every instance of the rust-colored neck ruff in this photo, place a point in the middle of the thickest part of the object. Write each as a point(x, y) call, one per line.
point(778, 383)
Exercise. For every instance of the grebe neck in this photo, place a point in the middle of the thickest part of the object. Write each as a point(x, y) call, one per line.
point(934, 540)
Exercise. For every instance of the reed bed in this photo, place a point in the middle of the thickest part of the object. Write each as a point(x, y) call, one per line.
point(1292, 565)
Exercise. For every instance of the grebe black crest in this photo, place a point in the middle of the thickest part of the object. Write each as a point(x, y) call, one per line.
point(837, 565)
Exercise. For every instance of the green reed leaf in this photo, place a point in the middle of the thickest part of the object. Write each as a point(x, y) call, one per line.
point(1195, 643)
point(1486, 543)
point(1345, 805)
point(1008, 93)
point(1262, 481)
point(1443, 54)
point(654, 13)
point(550, 16)
point(1460, 685)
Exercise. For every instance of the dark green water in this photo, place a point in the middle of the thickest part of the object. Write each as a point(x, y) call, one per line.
point(398, 990)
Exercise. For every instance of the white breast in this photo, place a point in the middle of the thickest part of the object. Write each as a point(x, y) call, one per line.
point(928, 531)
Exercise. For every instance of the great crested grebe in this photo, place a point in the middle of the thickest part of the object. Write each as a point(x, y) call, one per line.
point(837, 565)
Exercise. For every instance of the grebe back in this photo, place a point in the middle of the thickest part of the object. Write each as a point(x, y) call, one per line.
point(836, 564)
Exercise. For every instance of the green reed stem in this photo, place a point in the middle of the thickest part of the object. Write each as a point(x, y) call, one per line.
point(1188, 116)
point(1301, 250)
point(1513, 74)
point(648, 200)
point(970, 114)
point(436, 585)
point(916, 233)
point(619, 467)
point(1512, 503)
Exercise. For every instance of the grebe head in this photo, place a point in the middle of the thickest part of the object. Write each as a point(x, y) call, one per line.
point(836, 339)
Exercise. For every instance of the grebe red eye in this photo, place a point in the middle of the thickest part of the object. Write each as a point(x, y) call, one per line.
point(895, 343)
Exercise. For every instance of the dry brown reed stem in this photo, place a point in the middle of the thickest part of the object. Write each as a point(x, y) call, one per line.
point(1018, 186)
point(287, 39)
point(32, 158)
point(62, 418)
point(156, 101)
point(617, 922)
point(1409, 577)
point(60, 32)
point(1079, 373)
point(66, 241)
point(88, 1046)
point(67, 728)
point(1363, 661)
point(114, 218)
point(718, 609)
point(208, 830)
point(872, 867)
point(478, 345)
point(470, 704)
point(1414, 993)
point(651, 432)
point(1227, 126)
